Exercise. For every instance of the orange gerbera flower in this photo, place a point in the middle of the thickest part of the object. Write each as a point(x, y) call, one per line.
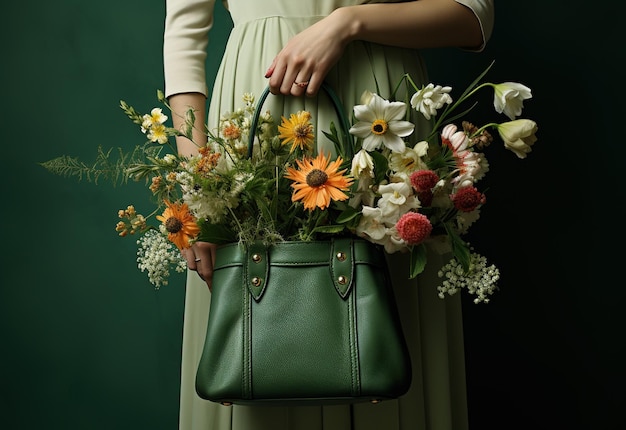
point(180, 224)
point(298, 130)
point(318, 181)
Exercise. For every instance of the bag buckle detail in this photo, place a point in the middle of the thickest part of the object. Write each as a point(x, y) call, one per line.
point(256, 269)
point(342, 265)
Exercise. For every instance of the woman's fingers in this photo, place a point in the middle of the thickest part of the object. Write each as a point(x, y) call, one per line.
point(301, 66)
point(292, 78)
point(201, 258)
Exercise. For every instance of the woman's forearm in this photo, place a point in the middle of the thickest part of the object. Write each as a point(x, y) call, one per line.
point(415, 24)
point(180, 104)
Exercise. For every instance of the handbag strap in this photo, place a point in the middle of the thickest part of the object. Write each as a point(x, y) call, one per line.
point(338, 255)
point(342, 265)
point(256, 269)
point(332, 95)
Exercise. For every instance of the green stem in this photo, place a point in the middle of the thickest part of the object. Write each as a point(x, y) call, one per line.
point(453, 106)
point(234, 217)
point(486, 126)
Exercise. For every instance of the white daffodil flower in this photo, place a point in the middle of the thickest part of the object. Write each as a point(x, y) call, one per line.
point(380, 123)
point(508, 98)
point(430, 99)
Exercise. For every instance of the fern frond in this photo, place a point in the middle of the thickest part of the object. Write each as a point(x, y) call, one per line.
point(104, 167)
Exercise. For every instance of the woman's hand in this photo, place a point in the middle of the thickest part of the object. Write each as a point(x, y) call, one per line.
point(301, 66)
point(303, 63)
point(201, 258)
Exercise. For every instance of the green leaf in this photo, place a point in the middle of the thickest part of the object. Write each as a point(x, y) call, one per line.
point(334, 137)
point(347, 214)
point(418, 260)
point(471, 86)
point(330, 229)
point(460, 250)
point(380, 166)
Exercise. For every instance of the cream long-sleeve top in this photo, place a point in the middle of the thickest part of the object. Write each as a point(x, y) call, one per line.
point(188, 22)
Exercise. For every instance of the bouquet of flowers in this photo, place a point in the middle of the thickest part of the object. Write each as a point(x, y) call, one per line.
point(258, 180)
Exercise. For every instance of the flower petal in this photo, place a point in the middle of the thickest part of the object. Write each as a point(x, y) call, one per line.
point(361, 129)
point(401, 128)
point(393, 142)
point(395, 111)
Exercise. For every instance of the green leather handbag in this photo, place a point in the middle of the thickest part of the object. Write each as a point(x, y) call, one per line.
point(303, 323)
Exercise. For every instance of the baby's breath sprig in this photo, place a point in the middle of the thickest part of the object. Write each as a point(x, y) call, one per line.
point(480, 280)
point(156, 255)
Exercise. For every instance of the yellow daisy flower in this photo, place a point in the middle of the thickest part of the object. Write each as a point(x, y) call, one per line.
point(298, 130)
point(180, 224)
point(317, 181)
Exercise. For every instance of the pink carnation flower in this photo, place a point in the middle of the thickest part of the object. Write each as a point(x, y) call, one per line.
point(413, 227)
point(467, 199)
point(424, 180)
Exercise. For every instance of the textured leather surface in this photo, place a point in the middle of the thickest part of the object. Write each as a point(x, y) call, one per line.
point(302, 322)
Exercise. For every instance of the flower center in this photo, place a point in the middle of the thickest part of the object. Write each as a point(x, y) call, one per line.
point(316, 178)
point(302, 131)
point(173, 225)
point(379, 126)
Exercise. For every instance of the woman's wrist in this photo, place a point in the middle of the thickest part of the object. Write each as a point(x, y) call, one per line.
point(348, 23)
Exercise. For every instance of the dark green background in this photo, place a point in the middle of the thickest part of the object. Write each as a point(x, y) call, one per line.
point(88, 344)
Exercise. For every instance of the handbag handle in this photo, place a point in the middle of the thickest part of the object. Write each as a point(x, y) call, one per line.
point(345, 125)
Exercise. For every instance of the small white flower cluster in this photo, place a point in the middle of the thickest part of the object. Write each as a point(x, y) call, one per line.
point(480, 281)
point(155, 255)
point(214, 204)
point(200, 205)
